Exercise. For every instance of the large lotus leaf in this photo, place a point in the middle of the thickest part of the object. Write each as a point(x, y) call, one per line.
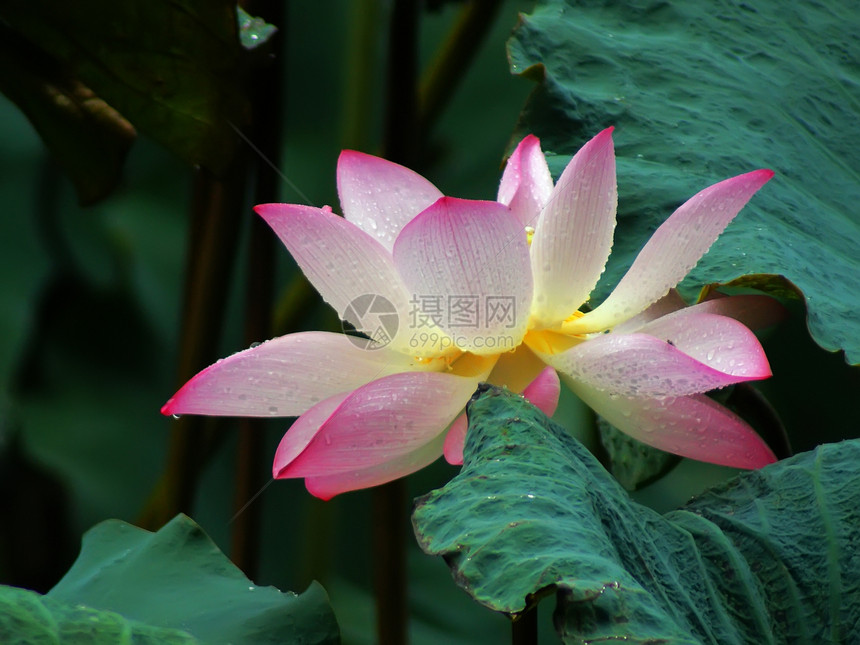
point(768, 557)
point(171, 67)
point(703, 91)
point(177, 578)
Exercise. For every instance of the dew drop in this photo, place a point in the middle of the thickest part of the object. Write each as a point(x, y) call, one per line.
point(327, 439)
point(175, 416)
point(273, 409)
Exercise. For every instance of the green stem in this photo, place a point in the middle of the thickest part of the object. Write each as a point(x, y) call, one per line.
point(401, 114)
point(360, 65)
point(267, 104)
point(524, 630)
point(390, 517)
point(390, 501)
point(451, 63)
point(212, 239)
point(245, 528)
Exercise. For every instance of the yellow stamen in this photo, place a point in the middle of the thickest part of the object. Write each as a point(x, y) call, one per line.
point(530, 233)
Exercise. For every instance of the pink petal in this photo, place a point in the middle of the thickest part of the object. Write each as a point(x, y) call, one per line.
point(455, 439)
point(347, 266)
point(573, 235)
point(544, 391)
point(377, 423)
point(717, 341)
point(469, 259)
point(674, 248)
point(327, 486)
point(643, 365)
point(692, 426)
point(285, 376)
point(526, 183)
point(380, 196)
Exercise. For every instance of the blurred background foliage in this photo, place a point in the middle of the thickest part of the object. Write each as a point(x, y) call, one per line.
point(95, 302)
point(91, 297)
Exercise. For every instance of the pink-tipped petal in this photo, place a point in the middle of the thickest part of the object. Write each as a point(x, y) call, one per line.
point(377, 423)
point(643, 365)
point(304, 430)
point(455, 439)
point(285, 376)
point(469, 261)
point(380, 196)
point(720, 342)
point(692, 426)
point(327, 486)
point(352, 271)
point(573, 235)
point(544, 391)
point(526, 183)
point(674, 249)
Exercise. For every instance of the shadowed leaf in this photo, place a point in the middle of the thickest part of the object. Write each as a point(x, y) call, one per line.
point(172, 68)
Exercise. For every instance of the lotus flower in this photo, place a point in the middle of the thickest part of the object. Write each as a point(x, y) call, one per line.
point(452, 292)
